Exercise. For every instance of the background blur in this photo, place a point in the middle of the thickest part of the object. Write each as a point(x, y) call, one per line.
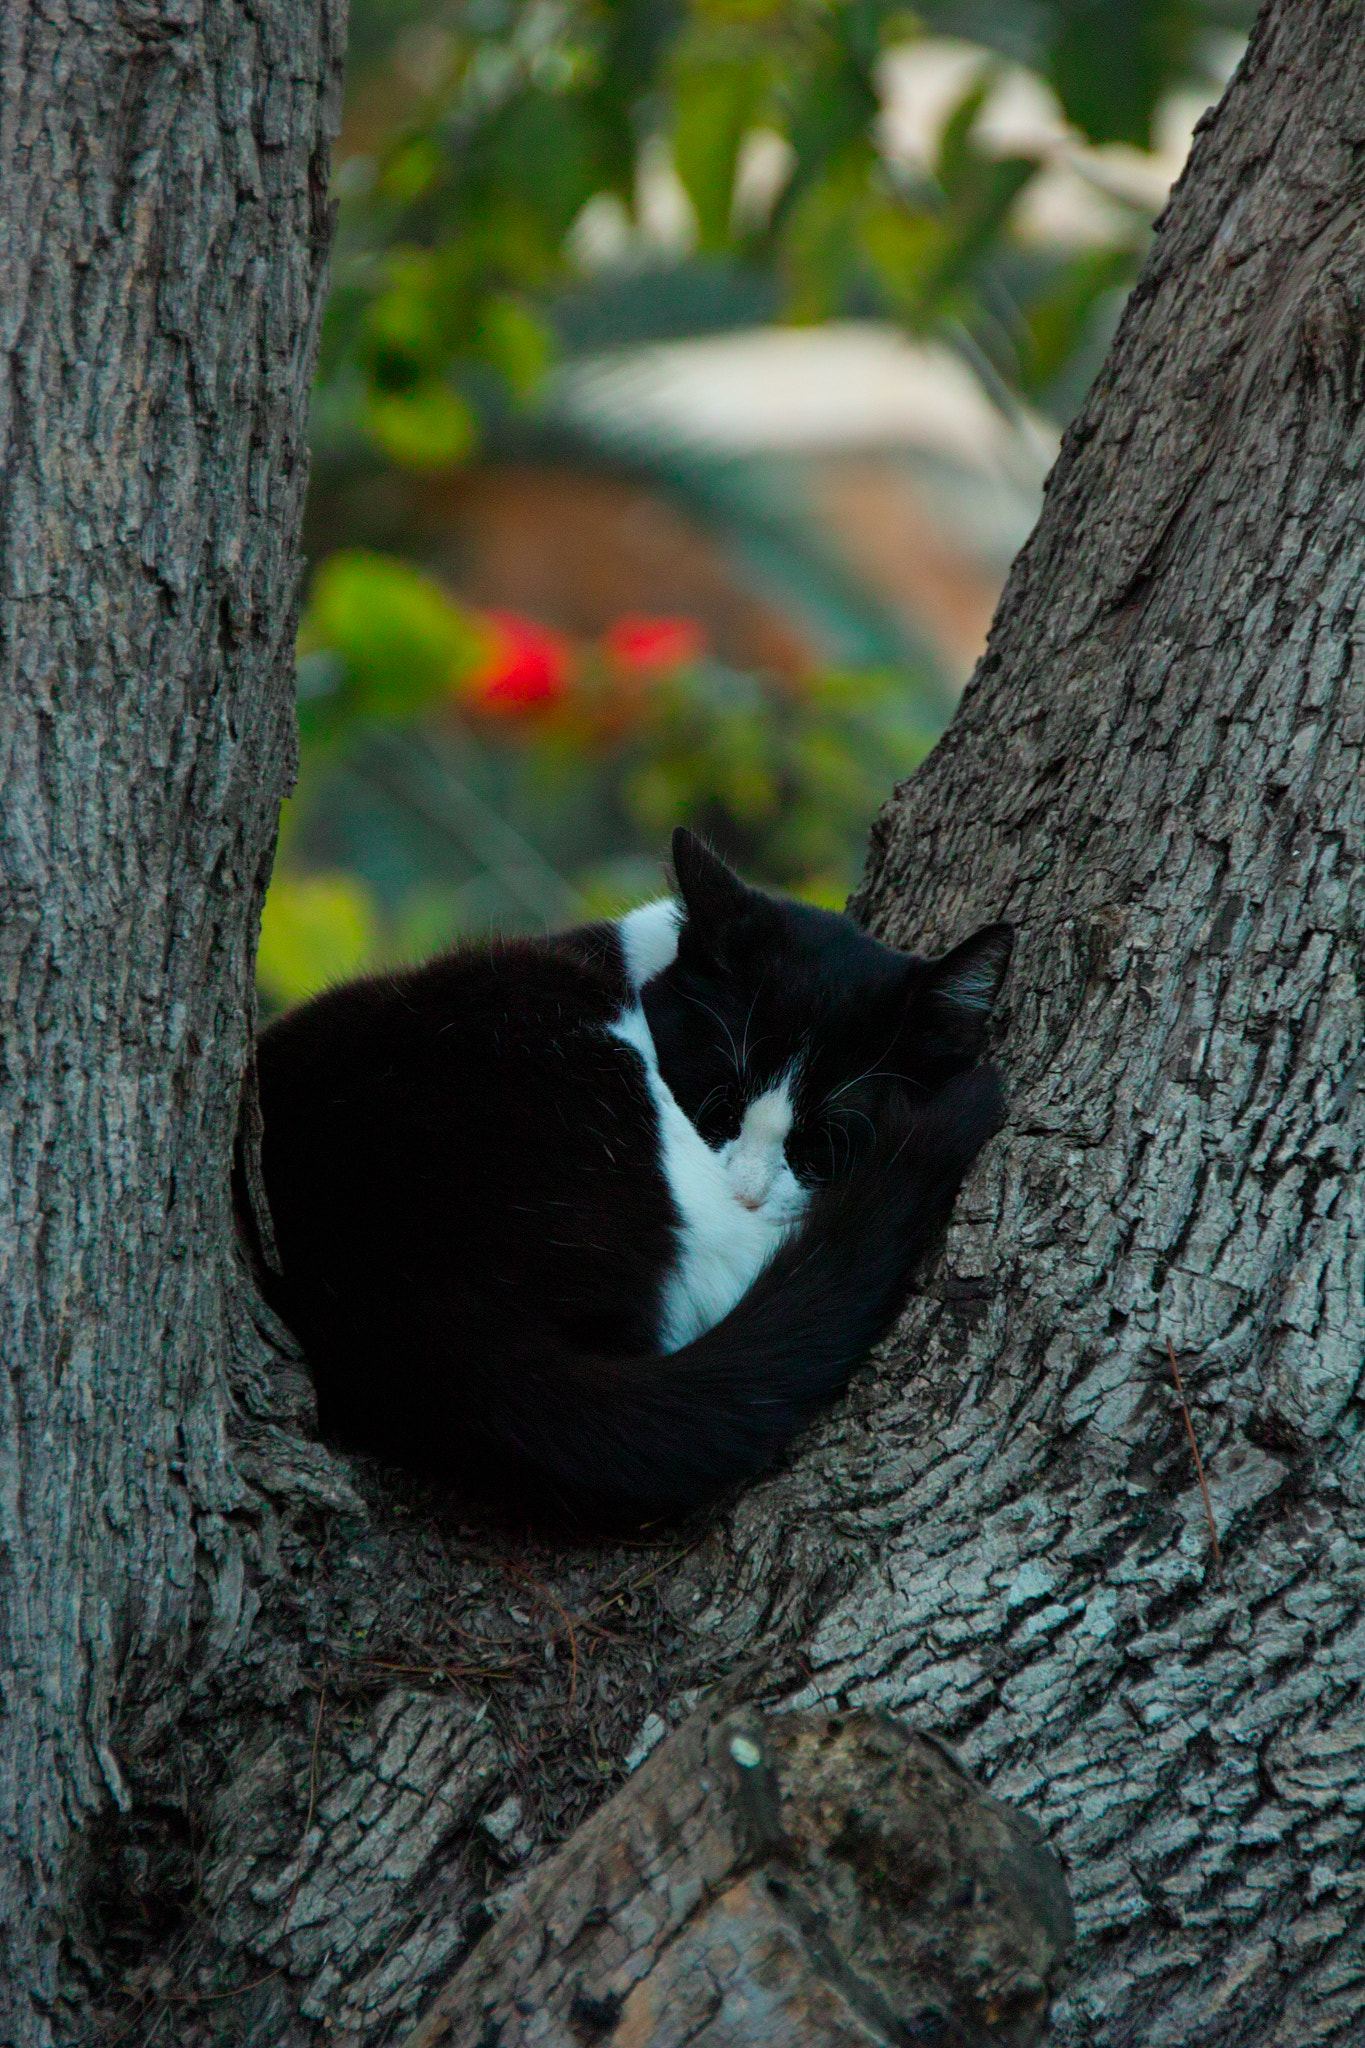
point(689, 378)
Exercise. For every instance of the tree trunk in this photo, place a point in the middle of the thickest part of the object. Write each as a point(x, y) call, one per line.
point(163, 226)
point(1158, 776)
point(1000, 1536)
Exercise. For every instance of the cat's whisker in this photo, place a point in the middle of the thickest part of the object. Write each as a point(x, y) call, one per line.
point(874, 1074)
point(858, 1113)
point(707, 1100)
point(833, 1161)
point(744, 1049)
point(734, 1050)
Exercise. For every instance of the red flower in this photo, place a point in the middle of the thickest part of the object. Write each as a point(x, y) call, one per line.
point(528, 669)
point(654, 646)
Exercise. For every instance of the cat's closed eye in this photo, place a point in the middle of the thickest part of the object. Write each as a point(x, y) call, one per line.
point(719, 1115)
point(823, 1145)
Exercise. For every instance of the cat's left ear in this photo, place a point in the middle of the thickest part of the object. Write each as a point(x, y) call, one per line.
point(712, 892)
point(955, 994)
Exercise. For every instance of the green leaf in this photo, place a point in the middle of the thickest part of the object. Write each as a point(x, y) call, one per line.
point(822, 241)
point(740, 13)
point(1058, 319)
point(514, 342)
point(658, 794)
point(1113, 61)
point(716, 104)
point(429, 428)
point(958, 157)
point(315, 930)
point(833, 120)
point(543, 154)
point(907, 251)
point(402, 340)
point(403, 642)
point(928, 262)
point(414, 166)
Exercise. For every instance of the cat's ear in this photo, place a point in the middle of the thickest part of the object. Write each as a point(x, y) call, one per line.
point(955, 994)
point(712, 892)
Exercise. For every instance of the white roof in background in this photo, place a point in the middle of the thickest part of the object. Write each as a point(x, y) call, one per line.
point(843, 385)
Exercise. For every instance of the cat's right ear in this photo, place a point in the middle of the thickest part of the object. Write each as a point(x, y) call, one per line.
point(955, 994)
point(712, 893)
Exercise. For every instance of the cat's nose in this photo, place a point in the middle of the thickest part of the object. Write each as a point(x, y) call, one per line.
point(752, 1180)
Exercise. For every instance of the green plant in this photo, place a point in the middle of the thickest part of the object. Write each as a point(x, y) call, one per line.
point(525, 805)
point(462, 773)
point(482, 134)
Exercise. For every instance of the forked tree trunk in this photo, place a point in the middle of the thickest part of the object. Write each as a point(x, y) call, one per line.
point(163, 227)
point(1157, 774)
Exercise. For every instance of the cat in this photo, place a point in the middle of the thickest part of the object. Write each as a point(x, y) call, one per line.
point(609, 1216)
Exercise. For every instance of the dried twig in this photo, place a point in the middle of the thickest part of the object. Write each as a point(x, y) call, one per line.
point(233, 1991)
point(312, 1787)
point(563, 1613)
point(450, 1673)
point(1198, 1461)
point(313, 1757)
point(619, 1588)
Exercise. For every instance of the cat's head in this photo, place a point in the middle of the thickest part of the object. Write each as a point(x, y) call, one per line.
point(762, 990)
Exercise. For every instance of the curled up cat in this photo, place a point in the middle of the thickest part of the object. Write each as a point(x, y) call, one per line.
point(605, 1218)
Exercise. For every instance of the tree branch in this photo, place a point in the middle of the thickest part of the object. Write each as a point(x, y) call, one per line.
point(810, 1877)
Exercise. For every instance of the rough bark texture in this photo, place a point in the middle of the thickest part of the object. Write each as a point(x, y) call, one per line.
point(1157, 774)
point(832, 1880)
point(163, 223)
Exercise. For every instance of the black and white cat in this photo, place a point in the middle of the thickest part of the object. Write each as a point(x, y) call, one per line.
point(611, 1214)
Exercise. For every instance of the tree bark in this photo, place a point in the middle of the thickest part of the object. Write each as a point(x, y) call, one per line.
point(1000, 1536)
point(163, 226)
point(1157, 775)
point(832, 1880)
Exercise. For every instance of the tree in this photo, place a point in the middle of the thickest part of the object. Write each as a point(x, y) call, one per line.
point(163, 201)
point(1156, 773)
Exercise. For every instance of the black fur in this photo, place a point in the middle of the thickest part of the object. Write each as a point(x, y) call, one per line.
point(475, 1228)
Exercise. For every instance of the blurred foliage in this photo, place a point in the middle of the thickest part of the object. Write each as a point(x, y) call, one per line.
point(379, 640)
point(486, 134)
point(508, 170)
point(517, 769)
point(315, 930)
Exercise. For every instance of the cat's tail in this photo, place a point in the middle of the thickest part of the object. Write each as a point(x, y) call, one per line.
point(659, 1433)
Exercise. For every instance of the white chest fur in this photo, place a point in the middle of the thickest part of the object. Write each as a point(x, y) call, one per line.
point(734, 1205)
